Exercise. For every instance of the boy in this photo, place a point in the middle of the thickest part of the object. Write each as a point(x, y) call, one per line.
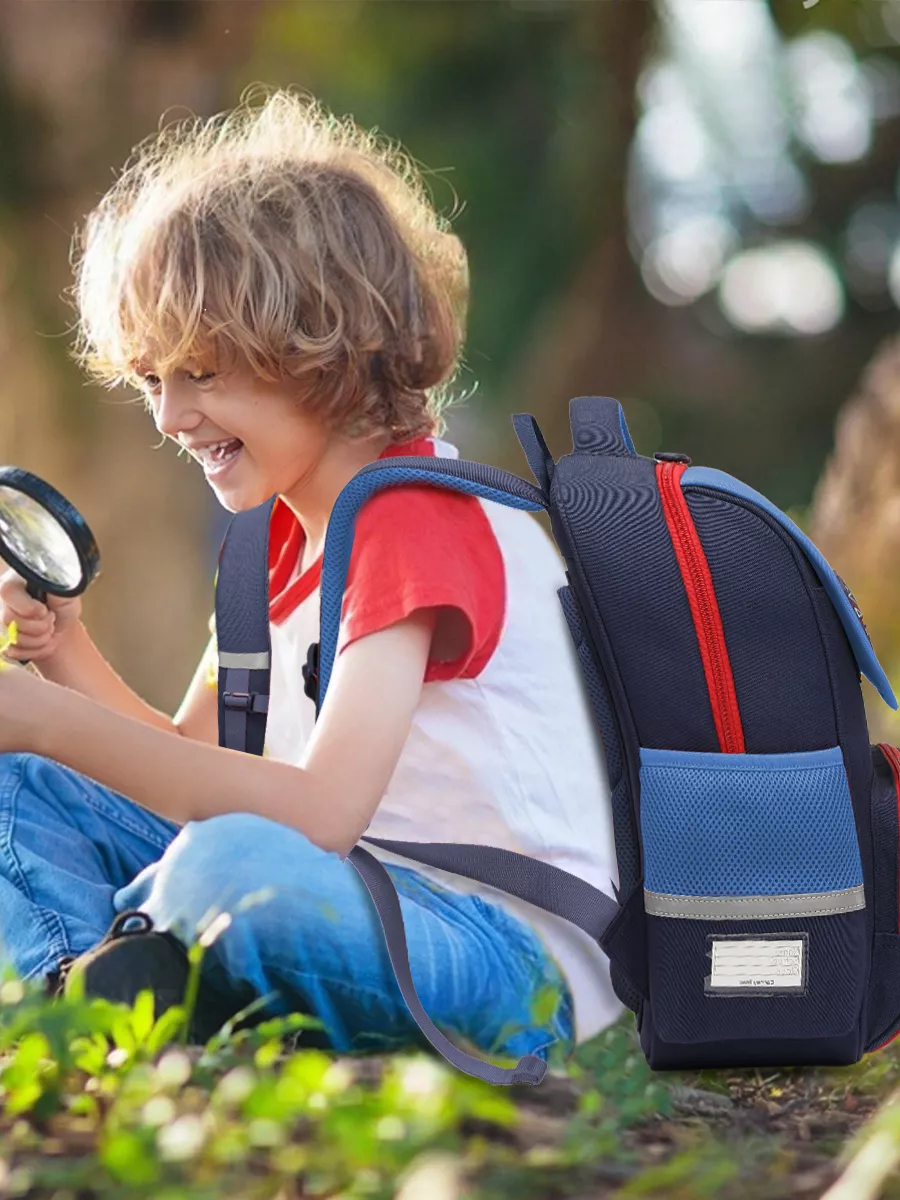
point(281, 290)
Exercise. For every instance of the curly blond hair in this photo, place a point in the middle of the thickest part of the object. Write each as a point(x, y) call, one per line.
point(282, 235)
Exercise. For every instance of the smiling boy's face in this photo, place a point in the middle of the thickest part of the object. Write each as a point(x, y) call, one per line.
point(273, 443)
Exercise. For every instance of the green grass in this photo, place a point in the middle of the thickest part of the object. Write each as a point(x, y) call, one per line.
point(100, 1100)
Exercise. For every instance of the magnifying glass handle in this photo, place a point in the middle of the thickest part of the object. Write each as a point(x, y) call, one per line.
point(33, 590)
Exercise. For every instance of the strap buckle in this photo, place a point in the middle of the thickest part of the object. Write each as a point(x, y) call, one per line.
point(246, 701)
point(310, 672)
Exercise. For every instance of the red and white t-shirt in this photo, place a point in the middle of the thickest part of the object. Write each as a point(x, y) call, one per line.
point(503, 748)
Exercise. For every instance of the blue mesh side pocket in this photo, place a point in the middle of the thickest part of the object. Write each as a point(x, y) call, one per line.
point(747, 824)
point(753, 889)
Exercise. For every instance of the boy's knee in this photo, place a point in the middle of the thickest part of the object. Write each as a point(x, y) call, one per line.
point(236, 862)
point(218, 854)
point(248, 843)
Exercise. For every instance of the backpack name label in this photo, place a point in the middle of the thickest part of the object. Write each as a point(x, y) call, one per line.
point(757, 964)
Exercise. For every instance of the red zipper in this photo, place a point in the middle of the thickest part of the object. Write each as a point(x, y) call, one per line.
point(892, 754)
point(701, 596)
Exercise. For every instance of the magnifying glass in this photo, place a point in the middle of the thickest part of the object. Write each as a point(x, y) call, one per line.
point(44, 538)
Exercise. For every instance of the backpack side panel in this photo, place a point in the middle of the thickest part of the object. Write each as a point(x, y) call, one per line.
point(806, 745)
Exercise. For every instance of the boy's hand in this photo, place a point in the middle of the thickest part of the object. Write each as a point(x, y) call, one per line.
point(42, 628)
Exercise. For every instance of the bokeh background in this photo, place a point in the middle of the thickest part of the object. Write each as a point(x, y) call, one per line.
point(690, 205)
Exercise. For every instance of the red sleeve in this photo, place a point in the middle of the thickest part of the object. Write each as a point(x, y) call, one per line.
point(418, 546)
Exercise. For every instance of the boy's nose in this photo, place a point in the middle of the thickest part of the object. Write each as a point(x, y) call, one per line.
point(173, 409)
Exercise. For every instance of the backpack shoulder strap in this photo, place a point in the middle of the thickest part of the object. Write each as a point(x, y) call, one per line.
point(550, 888)
point(529, 1069)
point(242, 630)
point(539, 883)
point(242, 624)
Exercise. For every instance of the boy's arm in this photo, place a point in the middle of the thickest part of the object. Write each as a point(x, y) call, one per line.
point(359, 735)
point(375, 686)
point(79, 665)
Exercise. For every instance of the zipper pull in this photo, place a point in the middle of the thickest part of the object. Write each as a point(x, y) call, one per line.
point(671, 456)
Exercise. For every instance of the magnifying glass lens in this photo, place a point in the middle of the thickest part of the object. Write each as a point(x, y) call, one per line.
point(38, 539)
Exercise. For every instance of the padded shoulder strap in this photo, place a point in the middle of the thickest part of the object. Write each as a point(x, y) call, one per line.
point(598, 426)
point(242, 624)
point(459, 474)
point(242, 630)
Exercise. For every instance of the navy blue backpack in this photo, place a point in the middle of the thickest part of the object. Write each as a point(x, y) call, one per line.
point(755, 921)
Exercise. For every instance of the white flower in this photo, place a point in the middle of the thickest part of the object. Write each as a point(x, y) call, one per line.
point(181, 1140)
point(173, 1068)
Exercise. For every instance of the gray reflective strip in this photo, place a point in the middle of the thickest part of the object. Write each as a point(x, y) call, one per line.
point(754, 908)
point(249, 662)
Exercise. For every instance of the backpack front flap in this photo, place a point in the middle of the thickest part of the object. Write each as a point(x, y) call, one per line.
point(723, 658)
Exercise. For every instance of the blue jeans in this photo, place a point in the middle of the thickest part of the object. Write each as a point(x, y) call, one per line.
point(74, 853)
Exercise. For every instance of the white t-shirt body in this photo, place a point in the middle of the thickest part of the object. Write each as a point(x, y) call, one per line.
point(509, 757)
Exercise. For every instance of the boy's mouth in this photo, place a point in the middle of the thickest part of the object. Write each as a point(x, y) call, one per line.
point(215, 458)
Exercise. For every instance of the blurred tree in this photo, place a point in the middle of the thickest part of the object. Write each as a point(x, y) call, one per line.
point(77, 90)
point(526, 114)
point(530, 112)
point(508, 106)
point(855, 516)
point(760, 406)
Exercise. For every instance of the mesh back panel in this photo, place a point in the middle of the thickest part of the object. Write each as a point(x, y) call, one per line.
point(627, 852)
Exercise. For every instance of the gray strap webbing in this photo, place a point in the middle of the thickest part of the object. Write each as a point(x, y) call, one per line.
point(539, 883)
point(539, 457)
point(236, 680)
point(529, 1068)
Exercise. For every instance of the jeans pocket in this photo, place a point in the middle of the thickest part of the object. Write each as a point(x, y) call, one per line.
point(753, 890)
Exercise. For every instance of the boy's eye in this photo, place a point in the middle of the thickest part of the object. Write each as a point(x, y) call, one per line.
point(153, 383)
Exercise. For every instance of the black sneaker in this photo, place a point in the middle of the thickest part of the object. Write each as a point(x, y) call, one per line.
point(54, 980)
point(131, 960)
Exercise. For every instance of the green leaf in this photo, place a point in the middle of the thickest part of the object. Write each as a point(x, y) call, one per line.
point(83, 1106)
point(74, 986)
point(22, 1098)
point(142, 1015)
point(166, 1028)
point(121, 1030)
point(128, 1157)
point(89, 1053)
point(268, 1053)
point(544, 1004)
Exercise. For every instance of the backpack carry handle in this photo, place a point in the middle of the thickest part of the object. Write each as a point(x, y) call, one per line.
point(598, 426)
